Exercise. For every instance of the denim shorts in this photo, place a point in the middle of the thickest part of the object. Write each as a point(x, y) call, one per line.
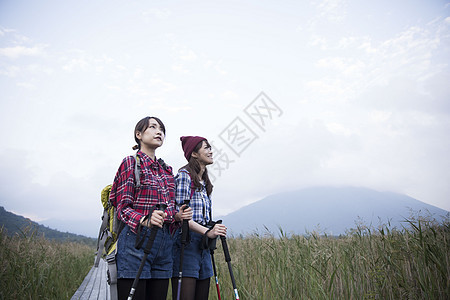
point(159, 260)
point(196, 262)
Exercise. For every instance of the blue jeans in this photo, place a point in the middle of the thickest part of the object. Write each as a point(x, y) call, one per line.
point(196, 261)
point(159, 261)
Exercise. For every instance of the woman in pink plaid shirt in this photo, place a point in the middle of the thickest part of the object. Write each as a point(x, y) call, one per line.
point(134, 202)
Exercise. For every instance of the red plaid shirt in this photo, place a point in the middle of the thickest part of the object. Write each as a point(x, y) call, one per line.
point(157, 186)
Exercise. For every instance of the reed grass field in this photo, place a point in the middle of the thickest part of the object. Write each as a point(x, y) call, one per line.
point(366, 263)
point(32, 267)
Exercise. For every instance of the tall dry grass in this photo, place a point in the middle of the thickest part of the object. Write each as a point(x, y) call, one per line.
point(366, 263)
point(383, 263)
point(32, 267)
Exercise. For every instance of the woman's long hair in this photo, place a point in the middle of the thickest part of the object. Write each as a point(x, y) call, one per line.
point(193, 167)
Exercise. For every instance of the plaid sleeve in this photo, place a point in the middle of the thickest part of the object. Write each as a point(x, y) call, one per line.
point(183, 183)
point(125, 193)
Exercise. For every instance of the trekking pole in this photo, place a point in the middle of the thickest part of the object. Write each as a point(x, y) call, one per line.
point(148, 247)
point(228, 260)
point(215, 274)
point(184, 241)
point(211, 250)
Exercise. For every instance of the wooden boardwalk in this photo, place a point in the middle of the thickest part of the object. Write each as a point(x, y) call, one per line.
point(94, 285)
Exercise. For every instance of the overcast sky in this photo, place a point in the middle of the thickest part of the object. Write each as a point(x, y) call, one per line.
point(292, 94)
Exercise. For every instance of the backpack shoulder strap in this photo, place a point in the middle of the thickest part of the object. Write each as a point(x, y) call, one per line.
point(137, 170)
point(102, 235)
point(166, 167)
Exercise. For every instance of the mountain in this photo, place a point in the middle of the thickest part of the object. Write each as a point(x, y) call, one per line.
point(15, 224)
point(87, 228)
point(329, 210)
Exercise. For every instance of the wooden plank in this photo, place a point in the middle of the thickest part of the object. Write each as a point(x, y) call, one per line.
point(87, 292)
point(94, 285)
point(104, 286)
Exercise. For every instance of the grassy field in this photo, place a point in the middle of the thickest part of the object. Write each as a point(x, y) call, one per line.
point(32, 267)
point(364, 264)
point(380, 263)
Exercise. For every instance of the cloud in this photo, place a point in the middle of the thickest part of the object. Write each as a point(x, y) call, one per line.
point(65, 197)
point(76, 60)
point(333, 10)
point(19, 45)
point(157, 13)
point(328, 13)
point(361, 107)
point(348, 67)
point(366, 64)
point(26, 85)
point(73, 64)
point(14, 36)
point(19, 51)
point(184, 61)
point(11, 71)
point(187, 55)
point(180, 68)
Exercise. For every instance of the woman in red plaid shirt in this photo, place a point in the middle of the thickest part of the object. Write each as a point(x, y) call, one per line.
point(134, 202)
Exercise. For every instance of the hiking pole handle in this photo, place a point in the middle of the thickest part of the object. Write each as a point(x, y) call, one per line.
point(185, 226)
point(213, 242)
point(161, 206)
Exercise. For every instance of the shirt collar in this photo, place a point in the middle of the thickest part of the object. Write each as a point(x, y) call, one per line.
point(147, 160)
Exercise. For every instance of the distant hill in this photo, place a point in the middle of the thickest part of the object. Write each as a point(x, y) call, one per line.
point(15, 224)
point(327, 210)
point(87, 228)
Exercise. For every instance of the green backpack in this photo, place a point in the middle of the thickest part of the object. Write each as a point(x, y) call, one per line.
point(110, 230)
point(111, 225)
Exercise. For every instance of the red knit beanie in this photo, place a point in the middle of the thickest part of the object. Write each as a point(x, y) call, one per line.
point(189, 143)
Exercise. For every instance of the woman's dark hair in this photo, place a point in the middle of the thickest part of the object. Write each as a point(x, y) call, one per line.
point(193, 167)
point(142, 125)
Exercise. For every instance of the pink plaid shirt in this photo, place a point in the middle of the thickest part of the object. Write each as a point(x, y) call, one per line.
point(157, 186)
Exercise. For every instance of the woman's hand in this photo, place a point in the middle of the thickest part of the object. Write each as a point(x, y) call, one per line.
point(157, 219)
point(185, 213)
point(218, 229)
